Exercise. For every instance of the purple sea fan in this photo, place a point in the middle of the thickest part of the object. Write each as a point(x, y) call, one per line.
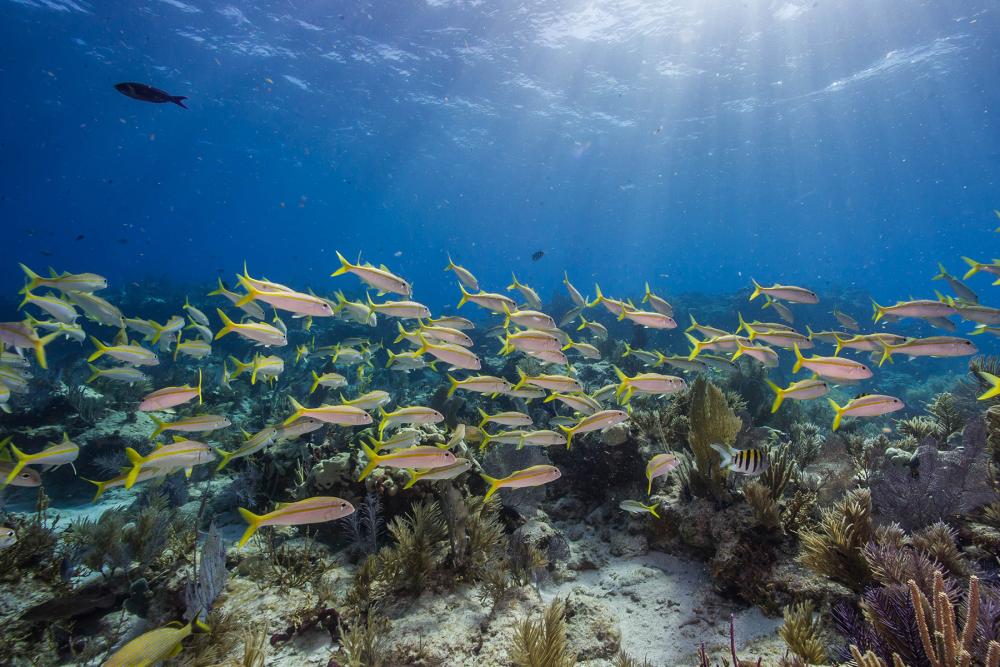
point(944, 484)
point(888, 625)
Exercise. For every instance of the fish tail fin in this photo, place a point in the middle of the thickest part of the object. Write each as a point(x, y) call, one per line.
point(779, 396)
point(95, 373)
point(253, 523)
point(886, 354)
point(227, 324)
point(101, 488)
point(465, 296)
point(757, 289)
point(840, 344)
point(179, 100)
point(345, 266)
point(569, 431)
point(217, 292)
point(412, 473)
point(224, 458)
point(694, 324)
point(22, 460)
point(99, 352)
point(391, 357)
point(697, 345)
point(645, 297)
point(373, 460)
point(597, 299)
point(652, 510)
point(252, 292)
point(494, 485)
point(798, 358)
point(453, 385)
point(161, 426)
point(137, 460)
point(942, 272)
point(740, 349)
point(838, 413)
point(40, 348)
point(522, 379)
point(622, 378)
point(877, 311)
point(583, 323)
point(199, 387)
point(513, 284)
point(974, 267)
point(992, 391)
point(299, 410)
point(315, 382)
point(485, 417)
point(725, 455)
point(34, 280)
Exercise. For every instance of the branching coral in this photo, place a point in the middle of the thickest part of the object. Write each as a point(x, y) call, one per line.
point(542, 643)
point(944, 643)
point(421, 545)
point(802, 633)
point(834, 547)
point(363, 642)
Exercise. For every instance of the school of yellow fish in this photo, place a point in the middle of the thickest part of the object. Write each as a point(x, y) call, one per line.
point(55, 303)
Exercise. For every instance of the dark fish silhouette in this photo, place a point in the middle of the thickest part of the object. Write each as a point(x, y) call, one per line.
point(537, 255)
point(144, 93)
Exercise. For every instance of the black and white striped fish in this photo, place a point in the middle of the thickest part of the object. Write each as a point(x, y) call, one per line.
point(744, 461)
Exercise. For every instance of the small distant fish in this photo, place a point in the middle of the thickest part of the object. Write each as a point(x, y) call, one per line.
point(464, 275)
point(595, 422)
point(8, 537)
point(790, 293)
point(846, 321)
point(635, 507)
point(537, 255)
point(146, 93)
point(743, 461)
point(447, 472)
point(957, 286)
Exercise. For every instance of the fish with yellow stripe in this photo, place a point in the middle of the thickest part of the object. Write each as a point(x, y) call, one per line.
point(318, 509)
point(155, 646)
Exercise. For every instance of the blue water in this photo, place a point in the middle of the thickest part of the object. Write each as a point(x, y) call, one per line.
point(690, 143)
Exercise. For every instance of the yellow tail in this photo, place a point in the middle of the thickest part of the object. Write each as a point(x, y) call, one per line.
point(315, 383)
point(779, 396)
point(465, 296)
point(224, 458)
point(345, 266)
point(95, 373)
point(838, 412)
point(373, 460)
point(101, 488)
point(34, 280)
point(494, 485)
point(798, 358)
point(228, 325)
point(100, 352)
point(569, 431)
point(696, 350)
point(974, 268)
point(253, 523)
point(22, 460)
point(299, 411)
point(454, 385)
point(757, 289)
point(992, 391)
point(161, 426)
point(137, 461)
